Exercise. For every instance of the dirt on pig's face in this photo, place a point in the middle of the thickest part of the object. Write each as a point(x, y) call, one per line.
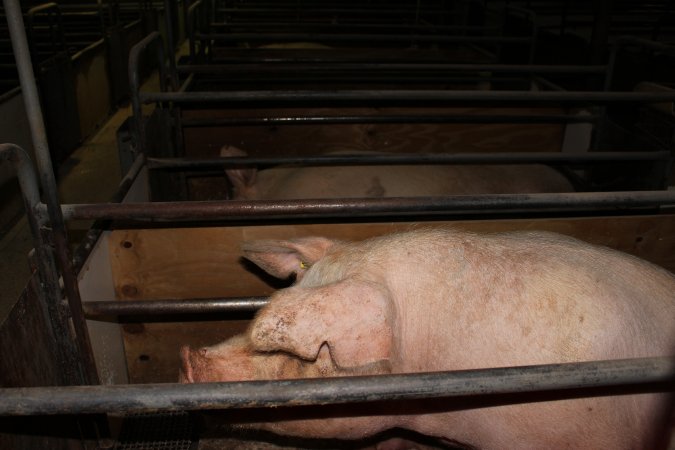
point(302, 333)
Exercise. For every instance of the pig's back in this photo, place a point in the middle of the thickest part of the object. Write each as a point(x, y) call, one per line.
point(284, 183)
point(550, 297)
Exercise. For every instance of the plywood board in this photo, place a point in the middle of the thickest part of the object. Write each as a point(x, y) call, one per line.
point(206, 262)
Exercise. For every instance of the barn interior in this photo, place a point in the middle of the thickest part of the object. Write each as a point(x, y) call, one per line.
point(113, 116)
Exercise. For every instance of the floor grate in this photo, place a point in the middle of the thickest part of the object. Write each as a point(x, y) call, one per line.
point(171, 431)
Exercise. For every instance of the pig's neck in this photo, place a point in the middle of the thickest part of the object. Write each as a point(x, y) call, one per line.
point(428, 287)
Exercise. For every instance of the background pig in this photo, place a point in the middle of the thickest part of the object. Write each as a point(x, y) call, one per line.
point(285, 183)
point(434, 300)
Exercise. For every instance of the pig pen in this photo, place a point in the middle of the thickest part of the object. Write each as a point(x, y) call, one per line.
point(167, 271)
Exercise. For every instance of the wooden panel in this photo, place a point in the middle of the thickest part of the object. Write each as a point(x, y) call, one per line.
point(206, 262)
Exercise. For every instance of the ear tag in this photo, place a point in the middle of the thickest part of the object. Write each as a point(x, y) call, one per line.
point(304, 265)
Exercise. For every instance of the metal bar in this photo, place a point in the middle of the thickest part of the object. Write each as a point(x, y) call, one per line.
point(332, 208)
point(409, 95)
point(171, 53)
point(135, 83)
point(421, 158)
point(324, 37)
point(352, 27)
point(83, 370)
point(173, 307)
point(57, 318)
point(407, 119)
point(232, 55)
point(650, 374)
point(437, 67)
point(191, 17)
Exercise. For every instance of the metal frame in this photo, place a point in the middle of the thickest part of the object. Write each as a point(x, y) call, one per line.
point(83, 368)
point(651, 374)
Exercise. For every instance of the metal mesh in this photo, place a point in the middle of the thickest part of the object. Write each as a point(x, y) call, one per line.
point(171, 431)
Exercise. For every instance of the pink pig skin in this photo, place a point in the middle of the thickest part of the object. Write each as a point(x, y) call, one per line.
point(286, 183)
point(433, 300)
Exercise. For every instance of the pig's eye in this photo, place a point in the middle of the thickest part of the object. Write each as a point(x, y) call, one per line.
point(304, 265)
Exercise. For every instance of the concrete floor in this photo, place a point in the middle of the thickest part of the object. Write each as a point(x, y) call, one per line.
point(90, 174)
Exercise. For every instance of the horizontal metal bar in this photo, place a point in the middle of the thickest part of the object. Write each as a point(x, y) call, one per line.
point(652, 374)
point(228, 210)
point(421, 158)
point(331, 120)
point(338, 37)
point(266, 55)
point(329, 67)
point(172, 307)
point(322, 26)
point(409, 95)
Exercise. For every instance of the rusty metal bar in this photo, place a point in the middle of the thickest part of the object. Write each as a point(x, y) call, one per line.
point(649, 374)
point(409, 95)
point(407, 119)
point(232, 210)
point(83, 369)
point(421, 158)
point(99, 309)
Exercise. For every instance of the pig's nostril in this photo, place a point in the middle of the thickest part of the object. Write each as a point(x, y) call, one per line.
point(144, 358)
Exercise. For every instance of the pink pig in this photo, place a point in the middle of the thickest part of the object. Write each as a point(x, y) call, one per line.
point(443, 299)
point(286, 183)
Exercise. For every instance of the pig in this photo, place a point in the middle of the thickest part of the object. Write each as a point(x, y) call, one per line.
point(443, 299)
point(318, 182)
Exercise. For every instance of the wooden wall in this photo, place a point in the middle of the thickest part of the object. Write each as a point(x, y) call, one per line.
point(206, 262)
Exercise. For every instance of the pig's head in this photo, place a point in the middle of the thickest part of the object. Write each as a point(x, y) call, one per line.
point(242, 179)
point(332, 305)
point(332, 322)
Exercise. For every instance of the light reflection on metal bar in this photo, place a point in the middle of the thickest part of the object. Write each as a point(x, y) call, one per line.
point(402, 158)
point(389, 119)
point(173, 307)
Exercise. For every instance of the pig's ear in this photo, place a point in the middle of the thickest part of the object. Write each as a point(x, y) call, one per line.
point(283, 258)
point(353, 317)
point(242, 177)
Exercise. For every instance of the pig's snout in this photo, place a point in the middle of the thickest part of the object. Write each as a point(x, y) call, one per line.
point(232, 360)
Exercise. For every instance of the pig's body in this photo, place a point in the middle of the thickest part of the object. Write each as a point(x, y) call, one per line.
point(447, 300)
point(375, 181)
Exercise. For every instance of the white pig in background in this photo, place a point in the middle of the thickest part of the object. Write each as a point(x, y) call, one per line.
point(286, 183)
point(443, 299)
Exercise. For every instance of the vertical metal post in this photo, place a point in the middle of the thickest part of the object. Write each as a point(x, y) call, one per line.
point(602, 15)
point(56, 318)
point(83, 371)
point(135, 83)
point(171, 46)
